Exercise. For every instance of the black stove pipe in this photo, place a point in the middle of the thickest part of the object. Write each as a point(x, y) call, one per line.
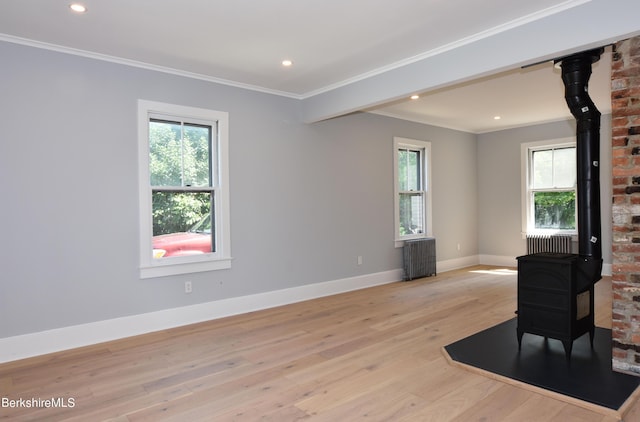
point(576, 71)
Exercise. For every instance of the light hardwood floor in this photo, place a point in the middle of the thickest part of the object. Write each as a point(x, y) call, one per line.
point(373, 354)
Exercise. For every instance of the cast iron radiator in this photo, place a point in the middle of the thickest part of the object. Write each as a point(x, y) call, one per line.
point(537, 243)
point(419, 258)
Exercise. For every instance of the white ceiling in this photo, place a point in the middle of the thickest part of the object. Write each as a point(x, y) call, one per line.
point(520, 97)
point(333, 43)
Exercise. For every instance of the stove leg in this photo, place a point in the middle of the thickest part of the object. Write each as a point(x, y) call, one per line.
point(520, 333)
point(568, 345)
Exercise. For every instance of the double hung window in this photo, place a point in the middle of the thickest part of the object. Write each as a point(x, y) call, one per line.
point(550, 187)
point(412, 195)
point(184, 206)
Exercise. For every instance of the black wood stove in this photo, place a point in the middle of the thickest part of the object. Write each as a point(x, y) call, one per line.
point(554, 300)
point(555, 291)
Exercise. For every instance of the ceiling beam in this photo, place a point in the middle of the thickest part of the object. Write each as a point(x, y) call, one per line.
point(587, 25)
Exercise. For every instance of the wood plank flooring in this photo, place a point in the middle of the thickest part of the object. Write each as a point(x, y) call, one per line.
point(373, 354)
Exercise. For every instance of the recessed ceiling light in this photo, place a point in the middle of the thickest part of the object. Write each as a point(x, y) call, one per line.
point(415, 97)
point(497, 117)
point(77, 7)
point(287, 63)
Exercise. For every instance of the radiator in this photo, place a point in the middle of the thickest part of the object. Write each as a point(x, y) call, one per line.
point(548, 243)
point(419, 258)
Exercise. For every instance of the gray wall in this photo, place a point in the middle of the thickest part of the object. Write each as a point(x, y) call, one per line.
point(499, 185)
point(306, 200)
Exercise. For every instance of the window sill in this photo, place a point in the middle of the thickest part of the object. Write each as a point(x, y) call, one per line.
point(399, 243)
point(184, 268)
point(573, 234)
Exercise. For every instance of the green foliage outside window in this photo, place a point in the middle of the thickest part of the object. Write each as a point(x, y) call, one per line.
point(179, 157)
point(555, 210)
point(410, 186)
point(177, 212)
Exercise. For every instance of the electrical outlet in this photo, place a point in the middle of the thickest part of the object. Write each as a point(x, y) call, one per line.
point(188, 288)
point(359, 259)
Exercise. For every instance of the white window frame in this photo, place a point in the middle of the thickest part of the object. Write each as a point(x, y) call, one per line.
point(425, 148)
point(528, 223)
point(221, 257)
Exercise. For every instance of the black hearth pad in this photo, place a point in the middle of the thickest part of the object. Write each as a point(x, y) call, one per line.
point(542, 363)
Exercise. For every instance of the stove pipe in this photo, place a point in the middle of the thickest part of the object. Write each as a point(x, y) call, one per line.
point(576, 70)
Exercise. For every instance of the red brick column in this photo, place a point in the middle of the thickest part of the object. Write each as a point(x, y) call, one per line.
point(625, 99)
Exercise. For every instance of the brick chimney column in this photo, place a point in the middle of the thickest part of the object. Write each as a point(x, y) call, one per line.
point(625, 99)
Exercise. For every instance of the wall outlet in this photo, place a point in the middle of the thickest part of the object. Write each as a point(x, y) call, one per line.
point(188, 288)
point(458, 246)
point(359, 259)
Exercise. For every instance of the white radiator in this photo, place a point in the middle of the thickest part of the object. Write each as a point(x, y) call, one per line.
point(548, 243)
point(419, 258)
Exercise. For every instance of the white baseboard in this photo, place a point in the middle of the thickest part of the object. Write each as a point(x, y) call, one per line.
point(457, 263)
point(499, 260)
point(510, 261)
point(40, 343)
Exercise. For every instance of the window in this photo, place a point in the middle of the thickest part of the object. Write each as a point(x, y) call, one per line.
point(412, 197)
point(184, 198)
point(550, 187)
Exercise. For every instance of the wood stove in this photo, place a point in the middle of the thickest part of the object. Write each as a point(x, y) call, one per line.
point(553, 300)
point(555, 291)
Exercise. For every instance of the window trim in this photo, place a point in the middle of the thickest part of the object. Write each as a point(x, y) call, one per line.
point(221, 258)
point(425, 147)
point(528, 225)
